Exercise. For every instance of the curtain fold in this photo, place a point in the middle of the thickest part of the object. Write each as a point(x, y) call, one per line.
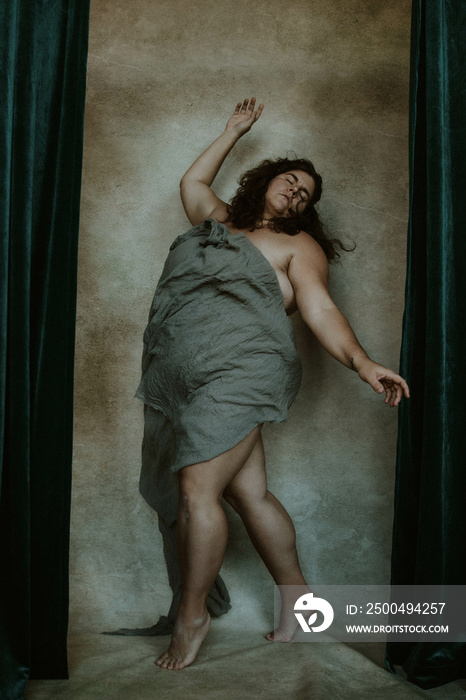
point(44, 54)
point(430, 491)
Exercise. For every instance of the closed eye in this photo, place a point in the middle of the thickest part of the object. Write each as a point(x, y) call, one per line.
point(303, 193)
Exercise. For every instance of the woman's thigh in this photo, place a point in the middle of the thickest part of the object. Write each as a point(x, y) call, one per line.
point(209, 479)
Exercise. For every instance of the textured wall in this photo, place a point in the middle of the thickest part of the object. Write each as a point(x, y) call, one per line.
point(163, 80)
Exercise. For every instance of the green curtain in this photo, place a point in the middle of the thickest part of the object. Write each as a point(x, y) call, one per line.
point(430, 492)
point(43, 45)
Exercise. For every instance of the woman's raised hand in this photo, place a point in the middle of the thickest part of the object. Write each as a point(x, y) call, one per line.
point(244, 116)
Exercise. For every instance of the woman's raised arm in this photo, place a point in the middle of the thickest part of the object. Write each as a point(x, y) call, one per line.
point(199, 200)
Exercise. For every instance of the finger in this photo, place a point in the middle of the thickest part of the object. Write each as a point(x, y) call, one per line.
point(399, 380)
point(388, 392)
point(258, 112)
point(245, 105)
point(250, 109)
point(404, 391)
point(401, 386)
point(238, 107)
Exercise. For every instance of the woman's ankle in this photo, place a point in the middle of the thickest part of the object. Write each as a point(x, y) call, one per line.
point(192, 611)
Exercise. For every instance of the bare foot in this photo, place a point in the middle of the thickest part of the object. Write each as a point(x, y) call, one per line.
point(288, 623)
point(286, 627)
point(185, 643)
point(282, 633)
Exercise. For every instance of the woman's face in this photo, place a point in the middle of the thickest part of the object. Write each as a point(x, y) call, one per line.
point(288, 194)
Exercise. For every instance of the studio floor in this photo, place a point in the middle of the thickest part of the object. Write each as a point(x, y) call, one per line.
point(231, 664)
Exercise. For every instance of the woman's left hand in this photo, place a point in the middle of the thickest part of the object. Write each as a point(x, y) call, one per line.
point(382, 380)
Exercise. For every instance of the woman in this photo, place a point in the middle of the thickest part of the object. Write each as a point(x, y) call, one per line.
point(220, 360)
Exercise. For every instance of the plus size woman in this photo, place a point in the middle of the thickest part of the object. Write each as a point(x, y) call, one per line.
point(220, 360)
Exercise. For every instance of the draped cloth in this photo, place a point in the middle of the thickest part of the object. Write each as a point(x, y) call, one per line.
point(219, 359)
point(430, 492)
point(43, 49)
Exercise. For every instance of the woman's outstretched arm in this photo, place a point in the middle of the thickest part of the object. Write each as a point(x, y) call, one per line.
point(308, 273)
point(199, 200)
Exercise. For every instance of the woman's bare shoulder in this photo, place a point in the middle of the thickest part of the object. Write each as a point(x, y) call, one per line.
point(304, 244)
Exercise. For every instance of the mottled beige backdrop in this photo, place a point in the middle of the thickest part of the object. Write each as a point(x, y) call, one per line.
point(163, 80)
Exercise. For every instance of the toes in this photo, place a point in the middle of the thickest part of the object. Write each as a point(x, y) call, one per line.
point(277, 636)
point(163, 659)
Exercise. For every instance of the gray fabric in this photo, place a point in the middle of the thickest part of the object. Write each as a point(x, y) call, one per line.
point(157, 483)
point(219, 350)
point(219, 358)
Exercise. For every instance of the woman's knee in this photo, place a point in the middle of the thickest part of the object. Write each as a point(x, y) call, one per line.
point(194, 493)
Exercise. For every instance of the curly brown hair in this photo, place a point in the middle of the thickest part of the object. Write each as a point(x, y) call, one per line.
point(246, 207)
